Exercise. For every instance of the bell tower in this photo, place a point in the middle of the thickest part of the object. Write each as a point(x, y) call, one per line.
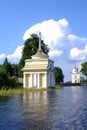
point(75, 75)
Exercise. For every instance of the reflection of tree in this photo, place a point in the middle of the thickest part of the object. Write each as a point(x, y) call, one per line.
point(4, 98)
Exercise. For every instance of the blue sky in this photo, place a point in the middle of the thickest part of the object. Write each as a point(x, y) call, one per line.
point(61, 22)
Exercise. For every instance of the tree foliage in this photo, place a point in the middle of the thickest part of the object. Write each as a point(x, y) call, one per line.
point(30, 48)
point(3, 77)
point(7, 70)
point(58, 75)
point(11, 69)
point(84, 68)
point(83, 80)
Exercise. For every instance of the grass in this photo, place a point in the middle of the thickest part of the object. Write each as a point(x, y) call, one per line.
point(58, 86)
point(20, 90)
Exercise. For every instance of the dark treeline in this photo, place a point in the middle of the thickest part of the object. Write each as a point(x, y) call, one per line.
point(9, 74)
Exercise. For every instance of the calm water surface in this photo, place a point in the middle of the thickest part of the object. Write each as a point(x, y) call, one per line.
point(62, 109)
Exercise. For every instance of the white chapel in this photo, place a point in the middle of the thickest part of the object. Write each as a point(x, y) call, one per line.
point(38, 72)
point(75, 75)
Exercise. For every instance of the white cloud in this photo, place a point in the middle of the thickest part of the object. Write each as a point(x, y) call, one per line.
point(73, 37)
point(78, 54)
point(55, 53)
point(52, 31)
point(2, 56)
point(15, 57)
point(77, 41)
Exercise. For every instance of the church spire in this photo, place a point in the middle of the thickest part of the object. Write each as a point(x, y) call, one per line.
point(39, 53)
point(40, 41)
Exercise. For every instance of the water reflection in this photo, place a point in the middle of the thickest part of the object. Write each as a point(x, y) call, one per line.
point(36, 104)
point(62, 109)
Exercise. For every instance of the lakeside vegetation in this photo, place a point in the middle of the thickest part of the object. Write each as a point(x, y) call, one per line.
point(20, 90)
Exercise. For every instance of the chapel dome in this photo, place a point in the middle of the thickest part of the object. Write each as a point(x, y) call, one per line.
point(39, 54)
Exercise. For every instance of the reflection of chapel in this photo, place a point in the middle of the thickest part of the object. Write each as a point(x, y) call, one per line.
point(38, 71)
point(75, 75)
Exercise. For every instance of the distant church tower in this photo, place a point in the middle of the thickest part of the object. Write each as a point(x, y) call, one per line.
point(75, 75)
point(38, 72)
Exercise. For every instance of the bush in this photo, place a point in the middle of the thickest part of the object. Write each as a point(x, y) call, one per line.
point(3, 78)
point(5, 81)
point(12, 83)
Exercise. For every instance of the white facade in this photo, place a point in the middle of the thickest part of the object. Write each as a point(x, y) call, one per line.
point(38, 77)
point(75, 75)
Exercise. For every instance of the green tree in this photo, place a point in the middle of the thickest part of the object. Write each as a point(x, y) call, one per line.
point(7, 81)
point(14, 70)
point(58, 75)
point(3, 77)
point(84, 69)
point(7, 66)
point(82, 80)
point(30, 48)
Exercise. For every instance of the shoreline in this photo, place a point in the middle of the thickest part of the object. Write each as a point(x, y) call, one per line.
point(20, 90)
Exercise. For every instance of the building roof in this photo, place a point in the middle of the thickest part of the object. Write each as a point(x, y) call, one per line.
point(40, 55)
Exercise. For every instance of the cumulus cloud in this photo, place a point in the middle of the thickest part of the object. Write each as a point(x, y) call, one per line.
point(51, 30)
point(2, 56)
point(55, 53)
point(15, 57)
point(76, 41)
point(78, 54)
point(73, 37)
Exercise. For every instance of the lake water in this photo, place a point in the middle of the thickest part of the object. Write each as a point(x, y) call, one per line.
point(61, 109)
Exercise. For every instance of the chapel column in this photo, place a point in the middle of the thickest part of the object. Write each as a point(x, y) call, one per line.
point(24, 80)
point(38, 81)
point(31, 80)
point(46, 80)
point(35, 80)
